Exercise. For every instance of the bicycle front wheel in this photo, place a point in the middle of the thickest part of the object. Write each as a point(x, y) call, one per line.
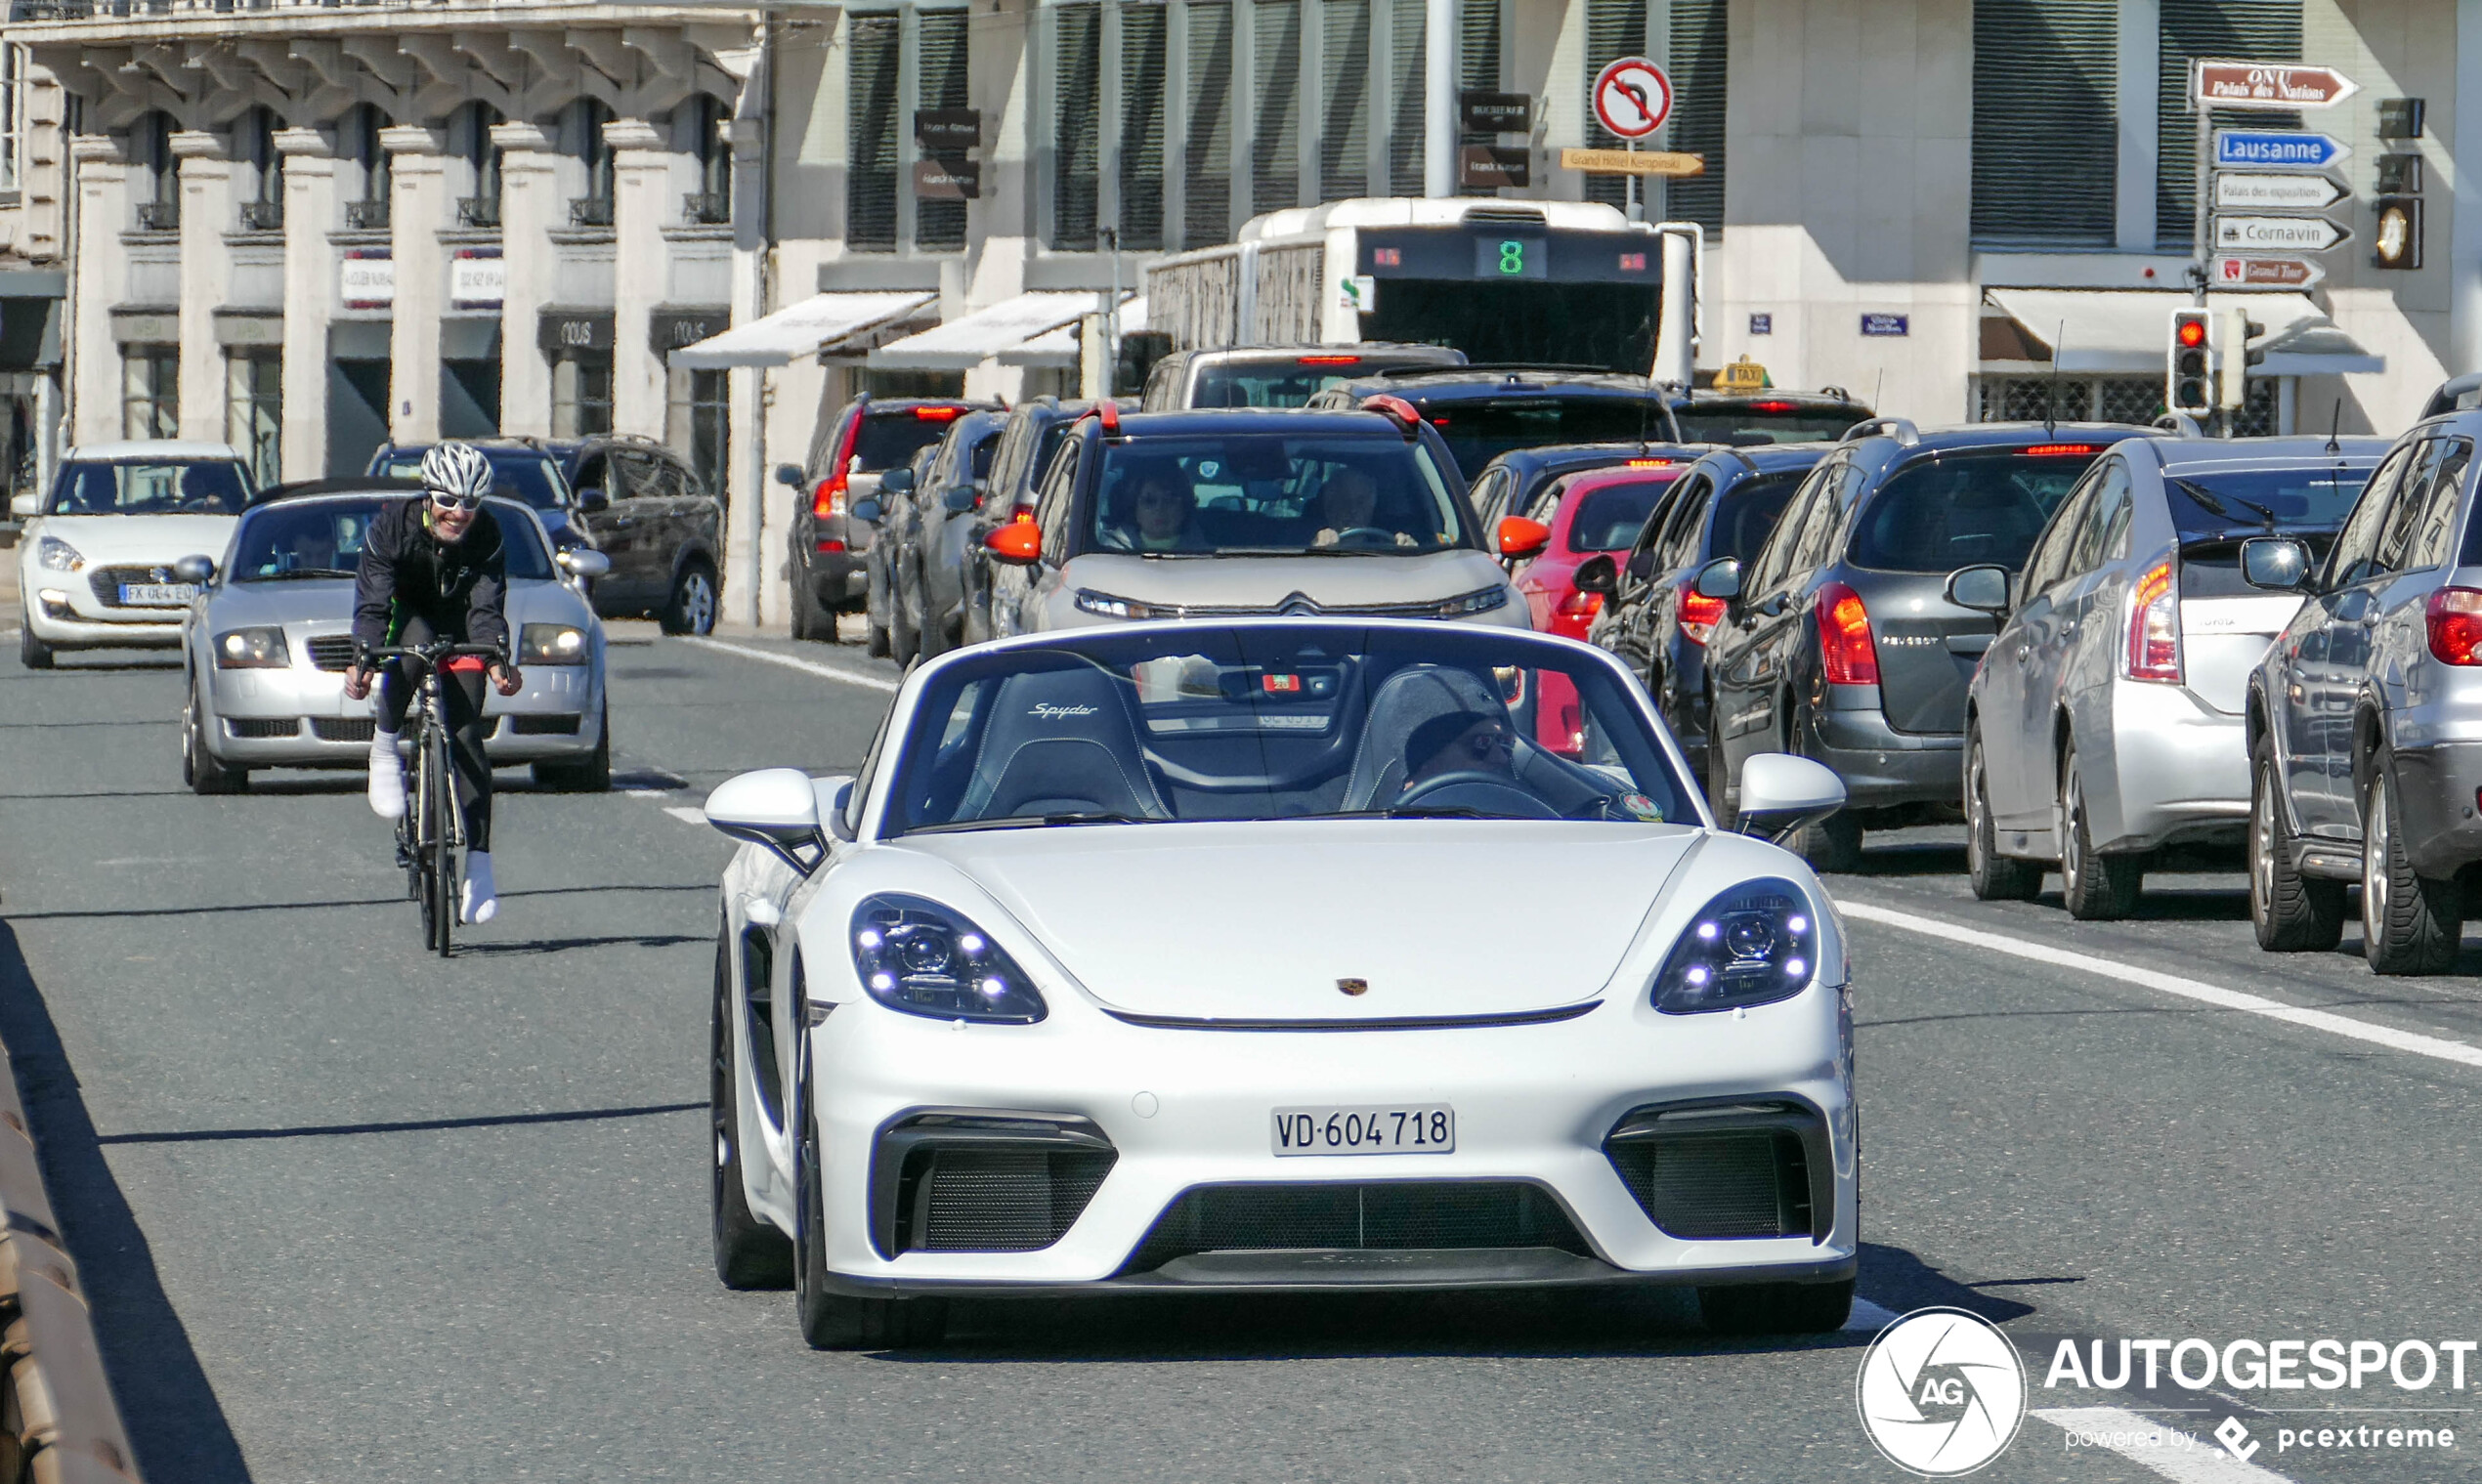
point(443, 839)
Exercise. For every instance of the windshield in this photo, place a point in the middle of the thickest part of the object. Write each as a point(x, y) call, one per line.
point(2276, 498)
point(1482, 429)
point(1296, 720)
point(1941, 514)
point(1290, 383)
point(1258, 494)
point(87, 488)
point(1609, 517)
point(1755, 425)
point(323, 538)
point(886, 440)
point(528, 477)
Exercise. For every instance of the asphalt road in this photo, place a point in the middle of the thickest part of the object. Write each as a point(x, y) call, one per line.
point(348, 1212)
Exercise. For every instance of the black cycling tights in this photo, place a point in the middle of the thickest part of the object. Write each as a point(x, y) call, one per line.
point(461, 707)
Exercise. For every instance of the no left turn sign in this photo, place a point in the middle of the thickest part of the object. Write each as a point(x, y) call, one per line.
point(1632, 97)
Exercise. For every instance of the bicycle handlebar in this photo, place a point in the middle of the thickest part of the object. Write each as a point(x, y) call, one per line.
point(427, 656)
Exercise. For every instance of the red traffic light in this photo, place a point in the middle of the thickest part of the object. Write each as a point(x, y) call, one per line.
point(2190, 332)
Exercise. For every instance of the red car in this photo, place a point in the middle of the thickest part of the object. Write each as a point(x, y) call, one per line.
point(1584, 514)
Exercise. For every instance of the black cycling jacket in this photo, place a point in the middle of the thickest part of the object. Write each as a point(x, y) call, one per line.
point(460, 590)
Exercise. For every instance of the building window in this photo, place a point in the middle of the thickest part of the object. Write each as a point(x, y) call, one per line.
point(1478, 69)
point(1614, 28)
point(12, 113)
point(1145, 31)
point(1108, 107)
point(367, 209)
point(586, 118)
point(263, 167)
point(1077, 141)
point(1697, 60)
point(159, 174)
point(2258, 30)
point(582, 394)
point(1275, 104)
point(151, 390)
point(870, 181)
point(1409, 76)
point(1344, 99)
point(254, 411)
point(1207, 180)
point(940, 82)
point(711, 204)
point(2046, 143)
point(700, 420)
point(470, 141)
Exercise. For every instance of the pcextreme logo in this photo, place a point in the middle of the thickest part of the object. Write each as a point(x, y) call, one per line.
point(1942, 1392)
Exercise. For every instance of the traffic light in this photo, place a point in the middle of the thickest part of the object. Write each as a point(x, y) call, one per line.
point(2229, 352)
point(2190, 387)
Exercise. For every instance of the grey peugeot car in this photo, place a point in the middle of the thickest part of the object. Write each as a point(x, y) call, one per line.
point(2105, 722)
point(927, 518)
point(1840, 643)
point(2364, 721)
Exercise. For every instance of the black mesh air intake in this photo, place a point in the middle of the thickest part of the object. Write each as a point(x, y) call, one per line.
point(1741, 1170)
point(263, 727)
point(345, 728)
point(1404, 1215)
point(968, 1183)
point(544, 726)
point(332, 652)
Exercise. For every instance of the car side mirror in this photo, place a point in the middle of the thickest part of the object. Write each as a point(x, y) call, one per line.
point(1019, 544)
point(896, 481)
point(23, 505)
point(1983, 587)
point(1781, 793)
point(1597, 575)
point(793, 475)
point(583, 562)
point(835, 794)
point(1522, 538)
point(961, 498)
point(866, 510)
point(775, 809)
point(195, 571)
point(593, 498)
point(2278, 564)
point(1720, 579)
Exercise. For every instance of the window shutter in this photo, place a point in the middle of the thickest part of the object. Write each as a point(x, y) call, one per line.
point(869, 189)
point(1408, 71)
point(1344, 68)
point(2243, 31)
point(1143, 34)
point(1077, 147)
point(1699, 48)
point(1275, 128)
point(1207, 183)
point(1614, 28)
point(1478, 67)
point(940, 226)
point(2046, 146)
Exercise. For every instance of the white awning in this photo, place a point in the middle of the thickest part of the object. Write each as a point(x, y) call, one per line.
point(2091, 331)
point(1059, 347)
point(802, 329)
point(969, 340)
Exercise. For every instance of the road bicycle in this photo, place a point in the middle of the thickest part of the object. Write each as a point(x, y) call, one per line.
point(431, 832)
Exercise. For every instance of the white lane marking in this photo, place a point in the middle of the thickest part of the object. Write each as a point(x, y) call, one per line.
point(2203, 1463)
point(647, 793)
point(2459, 1052)
point(1869, 1318)
point(805, 666)
point(687, 815)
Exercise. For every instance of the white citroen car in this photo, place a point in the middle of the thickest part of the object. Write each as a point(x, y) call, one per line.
point(95, 561)
point(1146, 958)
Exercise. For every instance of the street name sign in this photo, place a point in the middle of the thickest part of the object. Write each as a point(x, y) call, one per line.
point(2235, 271)
point(2264, 191)
point(1632, 162)
point(2268, 85)
point(2276, 149)
point(1633, 96)
point(2278, 233)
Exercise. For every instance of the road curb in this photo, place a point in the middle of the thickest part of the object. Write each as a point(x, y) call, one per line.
point(59, 1424)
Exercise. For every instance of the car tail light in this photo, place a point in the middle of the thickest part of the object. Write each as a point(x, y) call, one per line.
point(828, 498)
point(937, 414)
point(1844, 637)
point(832, 544)
point(1328, 361)
point(2153, 626)
point(2058, 450)
point(1579, 605)
point(2454, 615)
point(1699, 614)
point(1649, 463)
point(1771, 408)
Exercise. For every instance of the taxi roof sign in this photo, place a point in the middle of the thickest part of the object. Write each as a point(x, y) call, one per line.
point(1742, 375)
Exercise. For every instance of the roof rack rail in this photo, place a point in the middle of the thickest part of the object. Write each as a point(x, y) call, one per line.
point(1901, 429)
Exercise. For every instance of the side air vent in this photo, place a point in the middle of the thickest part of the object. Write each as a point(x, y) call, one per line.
point(1721, 1171)
point(983, 1182)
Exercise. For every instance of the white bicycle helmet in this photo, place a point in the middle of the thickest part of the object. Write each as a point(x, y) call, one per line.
point(458, 471)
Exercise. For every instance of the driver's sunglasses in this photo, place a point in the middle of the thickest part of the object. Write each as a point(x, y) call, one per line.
point(1484, 744)
point(446, 501)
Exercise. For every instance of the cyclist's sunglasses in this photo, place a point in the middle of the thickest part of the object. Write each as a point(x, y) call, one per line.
point(447, 501)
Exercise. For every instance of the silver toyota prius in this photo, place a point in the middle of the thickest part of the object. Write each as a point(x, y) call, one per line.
point(268, 640)
point(2106, 719)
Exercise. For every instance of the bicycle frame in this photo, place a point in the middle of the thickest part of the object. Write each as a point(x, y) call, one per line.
point(431, 832)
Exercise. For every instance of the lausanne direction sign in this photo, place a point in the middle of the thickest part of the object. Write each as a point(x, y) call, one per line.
point(2276, 149)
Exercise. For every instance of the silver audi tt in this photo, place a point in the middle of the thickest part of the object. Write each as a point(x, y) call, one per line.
point(268, 640)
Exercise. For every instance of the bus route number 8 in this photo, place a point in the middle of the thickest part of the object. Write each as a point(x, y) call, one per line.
point(1513, 258)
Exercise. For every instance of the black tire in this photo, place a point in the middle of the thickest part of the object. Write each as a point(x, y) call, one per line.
point(2288, 911)
point(2411, 923)
point(1996, 877)
point(904, 620)
point(691, 607)
point(1777, 1308)
point(749, 1254)
point(2095, 887)
point(1831, 845)
point(32, 652)
point(875, 637)
point(443, 856)
point(424, 809)
point(199, 768)
point(591, 774)
point(832, 1321)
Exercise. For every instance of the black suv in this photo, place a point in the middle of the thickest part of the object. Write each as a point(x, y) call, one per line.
point(657, 521)
point(1840, 643)
point(833, 566)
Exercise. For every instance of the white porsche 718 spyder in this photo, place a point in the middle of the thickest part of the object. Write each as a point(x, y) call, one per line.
point(1151, 958)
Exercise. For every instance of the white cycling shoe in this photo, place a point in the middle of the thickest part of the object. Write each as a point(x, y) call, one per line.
point(387, 778)
point(479, 902)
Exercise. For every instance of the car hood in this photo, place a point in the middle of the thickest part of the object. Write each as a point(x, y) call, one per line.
point(153, 540)
point(1265, 584)
point(327, 605)
point(1262, 921)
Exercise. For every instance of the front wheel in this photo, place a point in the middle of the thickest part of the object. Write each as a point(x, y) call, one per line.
point(440, 801)
point(691, 608)
point(2288, 911)
point(2411, 923)
point(1994, 876)
point(749, 1254)
point(1777, 1308)
point(832, 1321)
point(591, 774)
point(199, 768)
point(32, 652)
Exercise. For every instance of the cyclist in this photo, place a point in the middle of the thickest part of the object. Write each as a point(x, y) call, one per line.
point(433, 571)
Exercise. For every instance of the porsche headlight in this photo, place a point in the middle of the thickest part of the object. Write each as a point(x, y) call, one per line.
point(1480, 601)
point(551, 644)
point(1089, 601)
point(925, 959)
point(252, 649)
point(1756, 943)
point(53, 554)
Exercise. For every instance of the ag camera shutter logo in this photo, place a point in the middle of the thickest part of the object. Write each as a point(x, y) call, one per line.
point(1942, 1392)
